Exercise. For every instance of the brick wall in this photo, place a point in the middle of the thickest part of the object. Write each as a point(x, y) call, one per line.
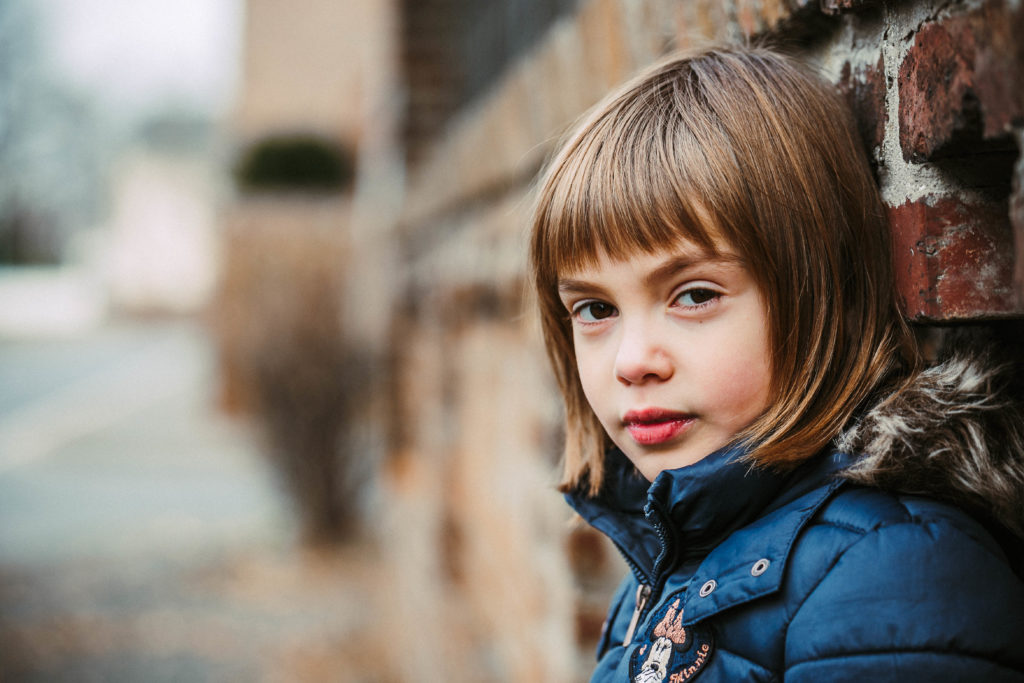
point(491, 580)
point(453, 51)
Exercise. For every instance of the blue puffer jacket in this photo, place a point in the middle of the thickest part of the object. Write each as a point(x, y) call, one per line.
point(750, 575)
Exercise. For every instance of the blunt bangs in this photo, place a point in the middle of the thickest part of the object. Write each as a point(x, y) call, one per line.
point(635, 181)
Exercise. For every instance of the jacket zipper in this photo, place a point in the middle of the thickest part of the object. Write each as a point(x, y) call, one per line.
point(643, 594)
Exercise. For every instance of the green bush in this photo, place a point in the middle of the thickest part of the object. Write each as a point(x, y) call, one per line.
point(295, 163)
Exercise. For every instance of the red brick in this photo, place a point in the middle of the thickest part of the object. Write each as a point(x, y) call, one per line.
point(864, 89)
point(954, 260)
point(960, 82)
point(1000, 68)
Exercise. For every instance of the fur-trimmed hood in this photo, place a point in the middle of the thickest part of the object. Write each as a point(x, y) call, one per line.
point(954, 432)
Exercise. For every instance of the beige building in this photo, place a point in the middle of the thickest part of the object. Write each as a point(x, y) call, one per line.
point(302, 68)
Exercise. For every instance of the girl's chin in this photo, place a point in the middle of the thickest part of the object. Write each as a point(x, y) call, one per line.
point(651, 464)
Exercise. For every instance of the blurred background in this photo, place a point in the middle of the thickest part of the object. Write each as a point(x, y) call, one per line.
point(235, 440)
point(273, 406)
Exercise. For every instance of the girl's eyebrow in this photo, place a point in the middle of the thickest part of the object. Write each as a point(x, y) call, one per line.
point(667, 269)
point(569, 286)
point(680, 263)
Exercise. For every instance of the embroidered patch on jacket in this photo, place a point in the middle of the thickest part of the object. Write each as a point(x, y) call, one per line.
point(671, 653)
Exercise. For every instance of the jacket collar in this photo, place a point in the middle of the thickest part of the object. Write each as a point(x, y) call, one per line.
point(717, 507)
point(751, 562)
point(909, 441)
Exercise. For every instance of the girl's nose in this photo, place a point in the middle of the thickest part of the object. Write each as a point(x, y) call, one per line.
point(639, 358)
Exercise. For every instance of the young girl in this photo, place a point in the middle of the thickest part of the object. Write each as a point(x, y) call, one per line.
point(748, 418)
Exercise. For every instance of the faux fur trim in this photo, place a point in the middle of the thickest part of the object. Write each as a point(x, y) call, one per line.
point(955, 433)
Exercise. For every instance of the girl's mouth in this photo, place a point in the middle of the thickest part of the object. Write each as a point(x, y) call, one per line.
point(652, 426)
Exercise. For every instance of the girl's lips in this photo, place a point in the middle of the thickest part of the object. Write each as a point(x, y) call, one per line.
point(654, 426)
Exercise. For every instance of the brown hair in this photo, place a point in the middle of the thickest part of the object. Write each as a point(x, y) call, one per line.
point(745, 147)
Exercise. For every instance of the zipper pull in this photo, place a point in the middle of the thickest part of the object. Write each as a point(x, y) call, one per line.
point(643, 594)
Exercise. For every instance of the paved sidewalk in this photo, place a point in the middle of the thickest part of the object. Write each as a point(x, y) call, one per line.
point(142, 537)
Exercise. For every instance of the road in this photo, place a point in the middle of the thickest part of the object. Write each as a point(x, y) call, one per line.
point(142, 537)
point(111, 445)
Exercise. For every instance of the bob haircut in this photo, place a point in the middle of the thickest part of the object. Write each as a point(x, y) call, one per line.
point(737, 147)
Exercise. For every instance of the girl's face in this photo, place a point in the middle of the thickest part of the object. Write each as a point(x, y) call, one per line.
point(672, 351)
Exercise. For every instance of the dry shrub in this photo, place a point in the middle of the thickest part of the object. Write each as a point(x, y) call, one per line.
point(285, 358)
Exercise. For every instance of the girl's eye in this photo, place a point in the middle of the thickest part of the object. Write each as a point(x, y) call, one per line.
point(593, 311)
point(697, 296)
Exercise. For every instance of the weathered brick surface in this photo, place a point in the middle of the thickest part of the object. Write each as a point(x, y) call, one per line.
point(864, 89)
point(954, 259)
point(960, 83)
